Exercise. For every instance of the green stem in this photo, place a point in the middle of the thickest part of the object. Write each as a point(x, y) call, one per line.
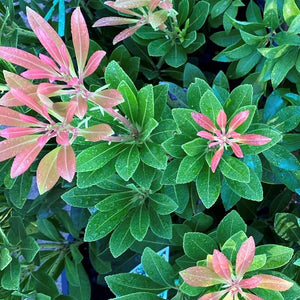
point(59, 259)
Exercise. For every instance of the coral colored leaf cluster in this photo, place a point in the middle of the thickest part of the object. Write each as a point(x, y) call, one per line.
point(219, 271)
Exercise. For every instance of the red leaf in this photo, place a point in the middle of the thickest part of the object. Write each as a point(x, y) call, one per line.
point(80, 37)
point(93, 63)
point(245, 257)
point(62, 138)
point(204, 121)
point(236, 149)
point(222, 120)
point(66, 163)
point(47, 174)
point(11, 147)
point(274, 283)
point(107, 98)
point(200, 276)
point(24, 159)
point(97, 132)
point(221, 265)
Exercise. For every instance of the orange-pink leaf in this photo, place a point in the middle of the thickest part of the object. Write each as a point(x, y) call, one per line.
point(93, 63)
point(216, 159)
point(245, 257)
point(9, 100)
point(107, 98)
point(24, 159)
point(131, 3)
point(166, 5)
point(274, 283)
point(236, 149)
point(14, 80)
point(153, 4)
point(80, 37)
point(126, 33)
point(47, 174)
point(253, 139)
point(238, 119)
point(221, 265)
point(200, 276)
point(13, 132)
point(251, 296)
point(97, 132)
point(39, 74)
point(81, 106)
point(250, 283)
point(11, 147)
point(213, 296)
point(121, 9)
point(66, 163)
point(204, 121)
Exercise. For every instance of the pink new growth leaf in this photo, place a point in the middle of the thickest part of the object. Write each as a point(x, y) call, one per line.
point(66, 163)
point(220, 138)
point(233, 284)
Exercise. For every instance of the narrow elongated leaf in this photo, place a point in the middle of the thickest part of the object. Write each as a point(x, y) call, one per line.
point(157, 268)
point(47, 174)
point(49, 230)
point(245, 257)
point(80, 38)
point(145, 105)
point(66, 162)
point(102, 223)
point(140, 222)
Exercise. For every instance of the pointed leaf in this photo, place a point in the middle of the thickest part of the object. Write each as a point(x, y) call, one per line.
point(140, 222)
point(274, 283)
point(97, 132)
point(221, 265)
point(66, 163)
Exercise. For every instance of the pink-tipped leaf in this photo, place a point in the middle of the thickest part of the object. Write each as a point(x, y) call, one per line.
point(107, 98)
point(236, 149)
point(222, 120)
point(97, 132)
point(80, 37)
point(128, 4)
point(204, 121)
point(111, 21)
point(238, 119)
point(121, 9)
point(47, 174)
point(221, 265)
point(213, 296)
point(66, 163)
point(216, 159)
point(206, 135)
point(14, 80)
point(274, 283)
point(10, 117)
point(93, 63)
point(81, 106)
point(24, 159)
point(250, 283)
point(253, 139)
point(249, 296)
point(245, 257)
point(126, 33)
point(40, 74)
point(13, 132)
point(200, 276)
point(153, 4)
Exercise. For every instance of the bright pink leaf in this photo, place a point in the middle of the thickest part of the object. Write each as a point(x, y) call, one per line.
point(166, 5)
point(222, 120)
point(39, 74)
point(13, 132)
point(250, 283)
point(111, 21)
point(238, 119)
point(126, 33)
point(200, 276)
point(221, 264)
point(97, 132)
point(48, 61)
point(10, 117)
point(236, 149)
point(204, 121)
point(93, 63)
point(81, 108)
point(66, 163)
point(22, 58)
point(274, 283)
point(216, 159)
point(24, 159)
point(80, 37)
point(253, 139)
point(107, 98)
point(245, 257)
point(47, 174)
point(62, 138)
point(213, 296)
point(11, 147)
point(206, 135)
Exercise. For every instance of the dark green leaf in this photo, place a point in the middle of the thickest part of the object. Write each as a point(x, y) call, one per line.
point(140, 222)
point(10, 277)
point(29, 248)
point(153, 155)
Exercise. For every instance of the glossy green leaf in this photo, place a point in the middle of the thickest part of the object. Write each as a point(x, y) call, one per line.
point(277, 255)
point(121, 239)
point(145, 105)
point(290, 11)
point(180, 194)
point(44, 284)
point(161, 225)
point(29, 248)
point(234, 169)
point(198, 16)
point(198, 245)
point(208, 186)
point(5, 258)
point(102, 223)
point(159, 47)
point(116, 201)
point(10, 278)
point(195, 147)
point(287, 227)
point(162, 203)
point(49, 230)
point(229, 198)
point(140, 222)
point(153, 155)
point(170, 173)
point(231, 224)
point(195, 91)
point(176, 57)
point(144, 175)
point(157, 268)
point(210, 105)
point(271, 14)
